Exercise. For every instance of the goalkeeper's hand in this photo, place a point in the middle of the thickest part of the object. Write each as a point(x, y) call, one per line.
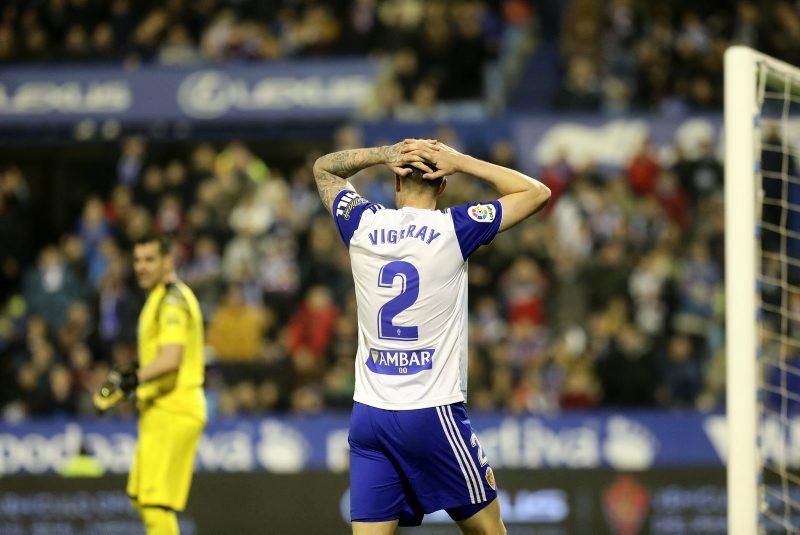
point(117, 387)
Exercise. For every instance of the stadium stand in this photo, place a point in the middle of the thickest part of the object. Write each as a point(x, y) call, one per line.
point(612, 298)
point(570, 312)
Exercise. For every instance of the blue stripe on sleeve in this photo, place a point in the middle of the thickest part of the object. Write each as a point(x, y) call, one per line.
point(348, 207)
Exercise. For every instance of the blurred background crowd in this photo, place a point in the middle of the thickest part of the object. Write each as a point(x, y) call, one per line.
point(623, 55)
point(613, 296)
point(613, 56)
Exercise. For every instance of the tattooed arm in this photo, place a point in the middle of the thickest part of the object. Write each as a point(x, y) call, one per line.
point(332, 170)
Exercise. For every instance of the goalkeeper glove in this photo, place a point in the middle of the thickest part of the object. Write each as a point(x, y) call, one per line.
point(117, 387)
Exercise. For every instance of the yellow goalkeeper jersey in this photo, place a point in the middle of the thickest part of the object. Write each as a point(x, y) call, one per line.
point(171, 315)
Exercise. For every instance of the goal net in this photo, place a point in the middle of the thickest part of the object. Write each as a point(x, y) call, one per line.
point(762, 221)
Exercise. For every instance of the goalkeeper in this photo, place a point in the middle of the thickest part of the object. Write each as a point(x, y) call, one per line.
point(168, 386)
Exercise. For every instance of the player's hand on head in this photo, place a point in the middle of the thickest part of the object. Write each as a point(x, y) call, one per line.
point(401, 162)
point(420, 153)
point(411, 145)
point(446, 159)
point(396, 161)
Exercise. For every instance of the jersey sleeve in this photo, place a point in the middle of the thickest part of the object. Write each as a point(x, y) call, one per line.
point(348, 208)
point(476, 224)
point(173, 319)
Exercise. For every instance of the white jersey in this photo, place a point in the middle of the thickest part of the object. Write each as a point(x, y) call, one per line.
point(410, 272)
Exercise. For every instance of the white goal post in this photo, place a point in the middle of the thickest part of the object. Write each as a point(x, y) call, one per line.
point(741, 111)
point(751, 79)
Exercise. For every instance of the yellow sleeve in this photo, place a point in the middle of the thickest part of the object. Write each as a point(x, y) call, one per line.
point(173, 321)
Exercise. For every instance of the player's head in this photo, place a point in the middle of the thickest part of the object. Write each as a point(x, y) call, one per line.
point(413, 187)
point(152, 260)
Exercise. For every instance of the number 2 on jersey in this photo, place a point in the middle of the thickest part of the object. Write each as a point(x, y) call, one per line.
point(409, 292)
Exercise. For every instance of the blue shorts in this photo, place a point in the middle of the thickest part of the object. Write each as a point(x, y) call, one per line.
point(404, 464)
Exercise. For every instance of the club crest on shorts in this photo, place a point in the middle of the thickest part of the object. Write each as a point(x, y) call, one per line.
point(482, 213)
point(490, 478)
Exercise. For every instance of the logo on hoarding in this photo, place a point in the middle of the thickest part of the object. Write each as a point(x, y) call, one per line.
point(625, 504)
point(203, 94)
point(70, 96)
point(629, 445)
point(209, 94)
point(282, 448)
point(779, 439)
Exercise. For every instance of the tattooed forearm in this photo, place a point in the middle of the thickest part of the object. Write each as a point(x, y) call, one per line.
point(346, 163)
point(332, 170)
point(329, 185)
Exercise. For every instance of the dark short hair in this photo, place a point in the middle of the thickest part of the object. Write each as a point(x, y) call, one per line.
point(416, 176)
point(163, 240)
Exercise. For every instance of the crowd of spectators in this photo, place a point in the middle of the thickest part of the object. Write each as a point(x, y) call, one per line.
point(621, 55)
point(615, 56)
point(611, 297)
point(434, 50)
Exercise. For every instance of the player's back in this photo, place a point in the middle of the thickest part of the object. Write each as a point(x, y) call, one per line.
point(410, 272)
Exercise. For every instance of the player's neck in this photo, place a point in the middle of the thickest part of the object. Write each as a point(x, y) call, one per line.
point(424, 203)
point(167, 279)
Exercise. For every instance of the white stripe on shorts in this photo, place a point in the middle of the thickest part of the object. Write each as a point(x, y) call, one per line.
point(471, 461)
point(446, 430)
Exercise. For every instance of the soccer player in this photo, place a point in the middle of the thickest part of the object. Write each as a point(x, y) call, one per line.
point(169, 389)
point(412, 447)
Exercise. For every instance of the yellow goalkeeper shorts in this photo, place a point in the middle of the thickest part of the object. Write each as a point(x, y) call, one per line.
point(161, 472)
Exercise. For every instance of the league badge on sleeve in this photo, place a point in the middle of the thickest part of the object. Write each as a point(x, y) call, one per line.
point(482, 213)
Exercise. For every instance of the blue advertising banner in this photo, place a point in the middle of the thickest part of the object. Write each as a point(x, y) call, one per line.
point(622, 441)
point(238, 92)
